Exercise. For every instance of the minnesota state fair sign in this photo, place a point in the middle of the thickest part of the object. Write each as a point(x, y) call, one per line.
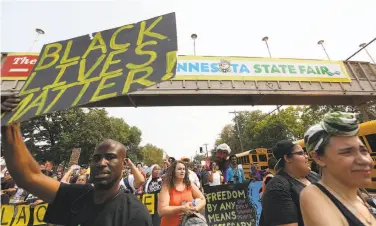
point(259, 69)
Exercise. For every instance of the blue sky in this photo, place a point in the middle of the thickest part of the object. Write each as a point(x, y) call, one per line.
point(224, 28)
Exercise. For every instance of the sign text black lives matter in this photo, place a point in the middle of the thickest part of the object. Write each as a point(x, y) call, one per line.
point(228, 205)
point(99, 66)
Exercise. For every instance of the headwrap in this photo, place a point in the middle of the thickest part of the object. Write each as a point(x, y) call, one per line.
point(150, 177)
point(333, 124)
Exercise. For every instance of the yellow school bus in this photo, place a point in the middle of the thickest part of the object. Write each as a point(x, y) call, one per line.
point(367, 133)
point(258, 157)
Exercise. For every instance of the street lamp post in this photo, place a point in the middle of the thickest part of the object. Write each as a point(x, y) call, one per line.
point(39, 32)
point(321, 42)
point(194, 37)
point(265, 39)
point(363, 45)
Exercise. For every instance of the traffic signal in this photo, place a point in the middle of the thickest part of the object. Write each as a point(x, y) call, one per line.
point(201, 151)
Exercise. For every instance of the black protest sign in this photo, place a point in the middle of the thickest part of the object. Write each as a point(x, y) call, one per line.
point(99, 66)
point(228, 205)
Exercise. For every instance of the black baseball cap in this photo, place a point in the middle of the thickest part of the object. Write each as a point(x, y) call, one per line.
point(281, 149)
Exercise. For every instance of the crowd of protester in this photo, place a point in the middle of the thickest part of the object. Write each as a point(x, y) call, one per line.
point(104, 191)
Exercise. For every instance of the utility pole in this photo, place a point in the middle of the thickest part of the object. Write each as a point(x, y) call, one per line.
point(238, 128)
point(206, 148)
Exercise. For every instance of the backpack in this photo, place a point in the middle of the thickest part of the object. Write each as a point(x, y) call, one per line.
point(127, 186)
point(194, 219)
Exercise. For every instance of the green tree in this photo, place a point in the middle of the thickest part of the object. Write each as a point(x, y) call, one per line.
point(258, 129)
point(322, 110)
point(53, 136)
point(229, 136)
point(152, 155)
point(42, 134)
point(279, 126)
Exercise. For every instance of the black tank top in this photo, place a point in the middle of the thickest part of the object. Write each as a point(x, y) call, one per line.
point(352, 220)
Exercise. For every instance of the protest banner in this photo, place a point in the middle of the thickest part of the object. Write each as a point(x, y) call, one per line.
point(228, 205)
point(254, 198)
point(75, 156)
point(99, 66)
point(34, 216)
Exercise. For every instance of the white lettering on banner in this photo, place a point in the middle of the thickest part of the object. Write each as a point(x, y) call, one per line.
point(23, 60)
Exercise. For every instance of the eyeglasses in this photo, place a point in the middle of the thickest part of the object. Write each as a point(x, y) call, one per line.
point(299, 153)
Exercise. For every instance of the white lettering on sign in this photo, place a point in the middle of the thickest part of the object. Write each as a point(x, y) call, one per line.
point(23, 60)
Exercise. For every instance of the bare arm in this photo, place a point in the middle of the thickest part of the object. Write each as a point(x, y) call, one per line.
point(164, 208)
point(68, 175)
point(210, 176)
point(139, 179)
point(197, 194)
point(23, 167)
point(10, 191)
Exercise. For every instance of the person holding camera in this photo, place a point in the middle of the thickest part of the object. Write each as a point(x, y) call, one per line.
point(215, 175)
point(234, 174)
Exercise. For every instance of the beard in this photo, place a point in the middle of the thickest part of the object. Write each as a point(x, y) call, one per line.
point(104, 185)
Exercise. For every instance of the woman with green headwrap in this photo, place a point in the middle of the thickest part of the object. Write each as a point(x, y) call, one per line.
point(346, 166)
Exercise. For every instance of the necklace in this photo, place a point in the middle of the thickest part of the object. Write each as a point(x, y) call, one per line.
point(368, 221)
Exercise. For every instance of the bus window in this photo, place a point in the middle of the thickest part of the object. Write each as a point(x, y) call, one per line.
point(254, 158)
point(263, 158)
point(264, 167)
point(362, 139)
point(371, 138)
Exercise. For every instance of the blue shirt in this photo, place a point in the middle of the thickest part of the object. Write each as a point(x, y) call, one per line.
point(230, 175)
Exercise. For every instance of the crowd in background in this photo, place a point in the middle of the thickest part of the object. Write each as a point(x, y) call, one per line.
point(292, 194)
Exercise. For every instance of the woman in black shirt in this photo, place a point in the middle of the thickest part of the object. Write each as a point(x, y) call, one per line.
point(280, 202)
point(154, 183)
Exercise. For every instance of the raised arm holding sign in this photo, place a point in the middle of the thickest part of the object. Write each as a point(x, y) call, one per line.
point(99, 66)
point(78, 71)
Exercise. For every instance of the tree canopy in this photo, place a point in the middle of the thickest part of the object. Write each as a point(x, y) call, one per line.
point(256, 129)
point(53, 136)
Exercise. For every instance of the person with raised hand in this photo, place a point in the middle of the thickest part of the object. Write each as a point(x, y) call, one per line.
point(105, 203)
